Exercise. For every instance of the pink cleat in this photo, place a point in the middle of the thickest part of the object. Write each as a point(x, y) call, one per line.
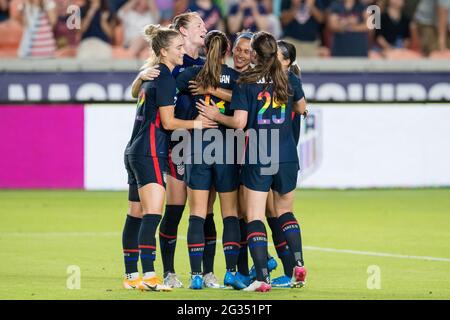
point(299, 277)
point(259, 286)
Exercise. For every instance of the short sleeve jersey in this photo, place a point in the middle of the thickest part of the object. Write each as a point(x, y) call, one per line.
point(296, 118)
point(265, 115)
point(149, 138)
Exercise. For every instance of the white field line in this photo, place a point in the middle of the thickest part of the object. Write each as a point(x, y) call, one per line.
point(308, 248)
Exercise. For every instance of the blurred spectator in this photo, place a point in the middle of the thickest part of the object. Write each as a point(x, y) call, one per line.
point(395, 27)
point(38, 19)
point(301, 20)
point(273, 22)
point(410, 8)
point(247, 14)
point(166, 9)
point(4, 10)
point(66, 39)
point(209, 12)
point(347, 21)
point(115, 5)
point(432, 24)
point(135, 15)
point(97, 30)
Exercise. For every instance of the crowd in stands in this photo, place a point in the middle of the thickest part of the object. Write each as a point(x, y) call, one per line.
point(90, 29)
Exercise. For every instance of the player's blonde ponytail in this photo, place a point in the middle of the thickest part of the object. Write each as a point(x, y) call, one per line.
point(158, 38)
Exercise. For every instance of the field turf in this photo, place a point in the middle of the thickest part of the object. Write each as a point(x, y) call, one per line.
point(344, 233)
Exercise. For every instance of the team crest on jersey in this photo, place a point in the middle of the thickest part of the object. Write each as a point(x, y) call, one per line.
point(180, 169)
point(310, 144)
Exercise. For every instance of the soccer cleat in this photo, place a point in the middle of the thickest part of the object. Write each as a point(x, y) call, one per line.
point(132, 281)
point(299, 277)
point(243, 278)
point(171, 280)
point(282, 282)
point(196, 282)
point(231, 280)
point(258, 286)
point(154, 284)
point(210, 281)
point(271, 265)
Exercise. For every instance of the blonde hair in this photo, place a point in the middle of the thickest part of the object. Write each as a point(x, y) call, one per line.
point(182, 20)
point(158, 38)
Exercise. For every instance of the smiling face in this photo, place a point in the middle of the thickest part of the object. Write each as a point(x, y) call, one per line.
point(173, 55)
point(242, 54)
point(195, 31)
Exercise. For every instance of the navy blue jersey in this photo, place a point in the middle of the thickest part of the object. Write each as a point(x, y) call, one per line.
point(228, 77)
point(149, 138)
point(265, 114)
point(185, 104)
point(296, 118)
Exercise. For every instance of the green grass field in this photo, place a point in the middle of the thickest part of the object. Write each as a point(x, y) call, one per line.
point(44, 232)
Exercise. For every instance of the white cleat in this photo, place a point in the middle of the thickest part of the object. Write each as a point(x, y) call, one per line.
point(171, 280)
point(210, 281)
point(258, 286)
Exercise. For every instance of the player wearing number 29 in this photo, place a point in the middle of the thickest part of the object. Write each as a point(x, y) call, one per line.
point(268, 95)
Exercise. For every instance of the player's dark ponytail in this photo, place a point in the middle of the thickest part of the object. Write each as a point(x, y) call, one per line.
point(289, 52)
point(268, 67)
point(216, 43)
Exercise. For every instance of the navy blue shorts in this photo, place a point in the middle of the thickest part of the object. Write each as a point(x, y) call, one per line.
point(175, 170)
point(224, 177)
point(143, 170)
point(283, 181)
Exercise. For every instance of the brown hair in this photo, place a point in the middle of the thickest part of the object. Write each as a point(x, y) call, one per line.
point(268, 67)
point(159, 38)
point(289, 52)
point(182, 20)
point(216, 43)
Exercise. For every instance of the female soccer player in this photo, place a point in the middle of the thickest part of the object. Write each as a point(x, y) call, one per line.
point(202, 174)
point(287, 55)
point(193, 30)
point(262, 102)
point(241, 60)
point(146, 152)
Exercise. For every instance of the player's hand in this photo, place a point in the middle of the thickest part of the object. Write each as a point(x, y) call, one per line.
point(211, 112)
point(149, 74)
point(202, 122)
point(196, 89)
point(305, 114)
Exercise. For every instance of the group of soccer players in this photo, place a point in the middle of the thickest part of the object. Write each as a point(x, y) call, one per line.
point(178, 89)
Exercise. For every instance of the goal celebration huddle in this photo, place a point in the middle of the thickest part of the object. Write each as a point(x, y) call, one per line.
point(178, 90)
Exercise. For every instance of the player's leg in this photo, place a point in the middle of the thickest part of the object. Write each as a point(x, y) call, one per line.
point(226, 178)
point(284, 191)
point(149, 175)
point(231, 237)
point(242, 266)
point(168, 230)
point(198, 179)
point(257, 238)
point(209, 254)
point(130, 233)
point(281, 246)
